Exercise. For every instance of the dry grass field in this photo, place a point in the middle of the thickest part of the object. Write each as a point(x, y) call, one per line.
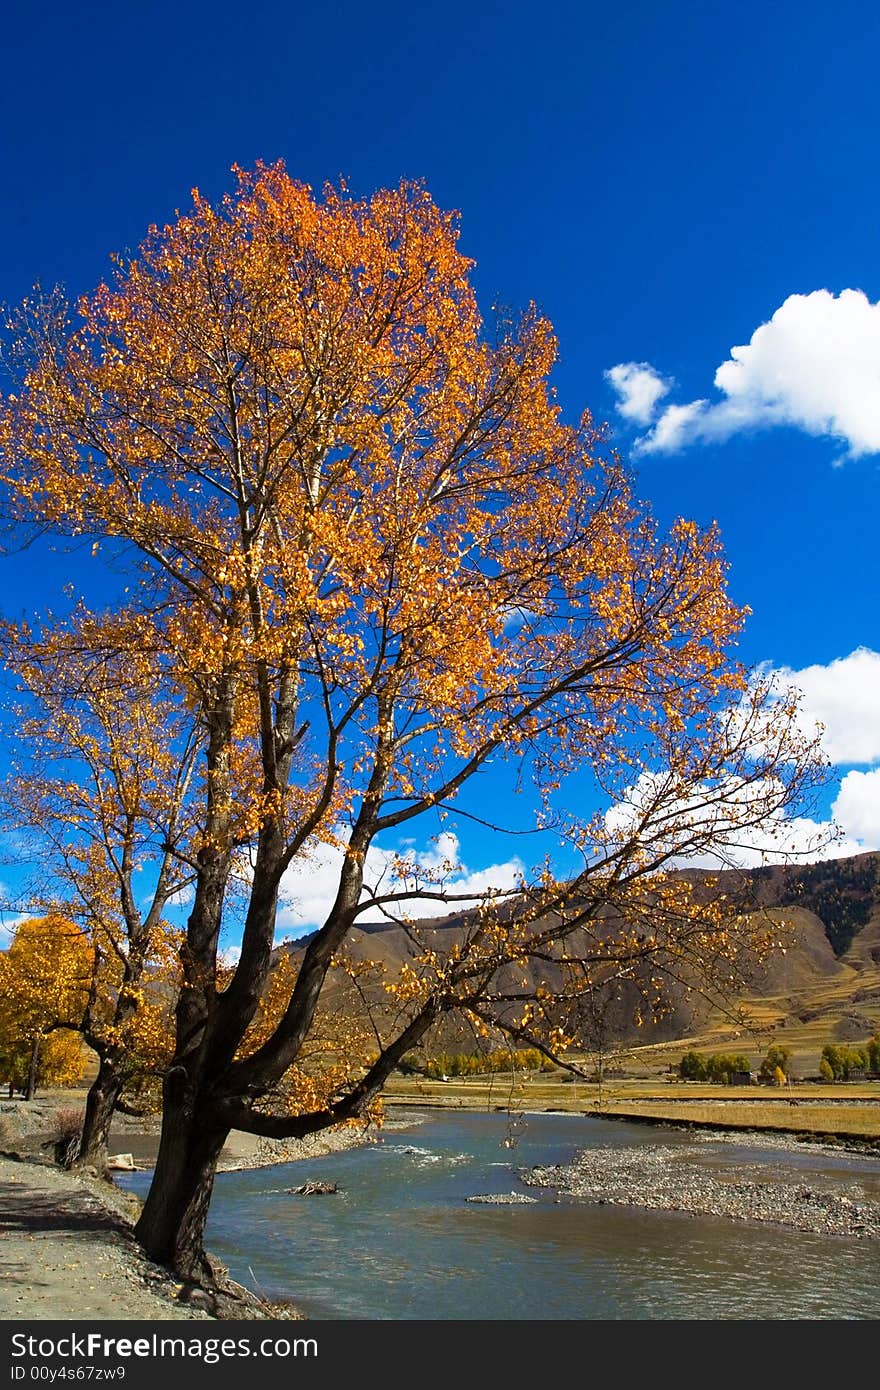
point(847, 1109)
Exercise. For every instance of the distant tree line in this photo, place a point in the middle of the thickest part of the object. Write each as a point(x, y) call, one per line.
point(721, 1067)
point(841, 1063)
point(482, 1063)
point(718, 1067)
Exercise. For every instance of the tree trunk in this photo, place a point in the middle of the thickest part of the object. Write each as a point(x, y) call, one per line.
point(32, 1070)
point(171, 1227)
point(104, 1092)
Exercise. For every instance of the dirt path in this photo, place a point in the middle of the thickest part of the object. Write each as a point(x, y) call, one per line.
point(68, 1253)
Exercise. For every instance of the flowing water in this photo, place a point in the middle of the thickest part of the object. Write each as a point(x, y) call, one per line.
point(399, 1241)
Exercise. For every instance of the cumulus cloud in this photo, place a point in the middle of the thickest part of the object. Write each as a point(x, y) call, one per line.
point(673, 430)
point(786, 839)
point(814, 366)
point(309, 886)
point(857, 807)
point(638, 387)
point(844, 696)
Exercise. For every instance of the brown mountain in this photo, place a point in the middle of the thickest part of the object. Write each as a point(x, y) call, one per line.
point(827, 977)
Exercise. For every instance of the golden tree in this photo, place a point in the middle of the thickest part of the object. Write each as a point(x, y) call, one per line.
point(99, 782)
point(369, 558)
point(44, 983)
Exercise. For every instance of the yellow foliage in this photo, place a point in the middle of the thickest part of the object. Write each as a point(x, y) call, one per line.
point(44, 978)
point(62, 1059)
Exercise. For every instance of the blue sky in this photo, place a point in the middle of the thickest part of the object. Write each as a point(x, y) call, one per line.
point(661, 178)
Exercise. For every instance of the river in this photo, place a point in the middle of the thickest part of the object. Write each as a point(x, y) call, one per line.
point(398, 1240)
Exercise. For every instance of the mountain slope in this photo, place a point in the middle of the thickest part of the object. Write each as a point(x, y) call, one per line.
point(827, 976)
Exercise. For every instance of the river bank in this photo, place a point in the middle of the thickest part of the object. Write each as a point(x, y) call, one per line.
point(68, 1252)
point(27, 1128)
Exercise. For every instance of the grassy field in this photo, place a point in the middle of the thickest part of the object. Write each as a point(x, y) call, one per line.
point(846, 1110)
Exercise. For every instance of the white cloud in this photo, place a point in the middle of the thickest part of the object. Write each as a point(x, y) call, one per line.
point(673, 430)
point(10, 925)
point(309, 886)
point(790, 839)
point(857, 807)
point(184, 897)
point(844, 696)
point(638, 387)
point(815, 366)
point(719, 819)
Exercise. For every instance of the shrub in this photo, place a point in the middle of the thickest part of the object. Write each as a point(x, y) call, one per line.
point(65, 1134)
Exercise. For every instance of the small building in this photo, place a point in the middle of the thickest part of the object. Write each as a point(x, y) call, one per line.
point(742, 1078)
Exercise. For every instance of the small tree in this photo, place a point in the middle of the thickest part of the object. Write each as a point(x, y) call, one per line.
point(826, 1071)
point(778, 1058)
point(858, 1057)
point(832, 1056)
point(692, 1067)
point(44, 978)
point(47, 1059)
point(367, 560)
point(102, 799)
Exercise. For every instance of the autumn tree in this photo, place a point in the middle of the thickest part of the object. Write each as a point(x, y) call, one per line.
point(778, 1058)
point(99, 784)
point(29, 1064)
point(44, 980)
point(371, 559)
